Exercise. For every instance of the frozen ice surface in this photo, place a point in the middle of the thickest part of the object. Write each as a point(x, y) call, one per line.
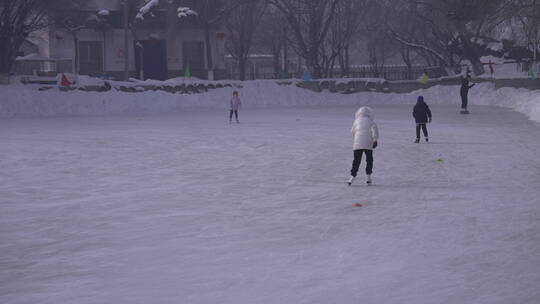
point(185, 208)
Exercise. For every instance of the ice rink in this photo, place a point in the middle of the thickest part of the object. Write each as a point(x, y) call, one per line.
point(185, 208)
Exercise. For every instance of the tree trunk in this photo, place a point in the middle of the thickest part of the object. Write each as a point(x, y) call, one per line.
point(10, 42)
point(311, 66)
point(141, 52)
point(478, 67)
point(141, 63)
point(347, 61)
point(285, 68)
point(471, 53)
point(332, 65)
point(4, 78)
point(406, 56)
point(209, 61)
point(8, 53)
point(341, 60)
point(275, 61)
point(105, 53)
point(5, 64)
point(76, 52)
point(242, 63)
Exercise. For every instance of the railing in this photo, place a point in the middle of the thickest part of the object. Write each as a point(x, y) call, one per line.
point(388, 73)
point(254, 76)
point(396, 72)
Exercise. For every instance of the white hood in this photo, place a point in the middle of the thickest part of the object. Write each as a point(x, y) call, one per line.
point(365, 112)
point(364, 129)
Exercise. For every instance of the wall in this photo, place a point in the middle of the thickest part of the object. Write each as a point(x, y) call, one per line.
point(61, 46)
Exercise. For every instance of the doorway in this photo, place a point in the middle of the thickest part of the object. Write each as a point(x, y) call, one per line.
point(91, 58)
point(154, 59)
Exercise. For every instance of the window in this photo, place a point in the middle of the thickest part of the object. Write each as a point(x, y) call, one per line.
point(193, 55)
point(91, 58)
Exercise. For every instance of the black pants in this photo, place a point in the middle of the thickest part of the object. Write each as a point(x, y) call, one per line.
point(464, 101)
point(358, 159)
point(235, 114)
point(424, 130)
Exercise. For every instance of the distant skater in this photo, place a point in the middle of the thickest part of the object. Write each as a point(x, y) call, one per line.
point(366, 135)
point(422, 116)
point(464, 91)
point(235, 104)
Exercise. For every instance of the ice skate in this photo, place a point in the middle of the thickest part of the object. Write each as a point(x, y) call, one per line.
point(368, 180)
point(417, 140)
point(427, 139)
point(351, 179)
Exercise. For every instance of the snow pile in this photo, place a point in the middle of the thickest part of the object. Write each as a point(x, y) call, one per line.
point(80, 80)
point(521, 100)
point(493, 59)
point(25, 101)
point(524, 101)
point(150, 4)
point(177, 81)
point(185, 11)
point(145, 9)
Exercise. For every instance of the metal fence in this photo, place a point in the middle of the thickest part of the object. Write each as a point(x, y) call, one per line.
point(254, 76)
point(396, 72)
point(387, 72)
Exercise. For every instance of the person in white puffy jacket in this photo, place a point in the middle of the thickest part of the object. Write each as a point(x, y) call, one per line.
point(366, 135)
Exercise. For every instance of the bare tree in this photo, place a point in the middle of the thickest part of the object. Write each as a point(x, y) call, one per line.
point(211, 13)
point(424, 32)
point(452, 30)
point(241, 24)
point(273, 37)
point(310, 22)
point(528, 14)
point(19, 18)
point(73, 20)
point(345, 26)
point(351, 14)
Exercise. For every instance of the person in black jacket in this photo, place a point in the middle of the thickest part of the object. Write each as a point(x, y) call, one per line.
point(464, 91)
point(422, 116)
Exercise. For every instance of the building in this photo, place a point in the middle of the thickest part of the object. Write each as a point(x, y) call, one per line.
point(165, 45)
point(27, 48)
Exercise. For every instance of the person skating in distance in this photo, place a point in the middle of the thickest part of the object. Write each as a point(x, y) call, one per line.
point(422, 116)
point(235, 105)
point(464, 92)
point(365, 138)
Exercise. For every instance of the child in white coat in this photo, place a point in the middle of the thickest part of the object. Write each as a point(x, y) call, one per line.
point(366, 135)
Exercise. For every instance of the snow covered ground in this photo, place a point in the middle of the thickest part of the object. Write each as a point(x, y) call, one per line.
point(27, 101)
point(185, 208)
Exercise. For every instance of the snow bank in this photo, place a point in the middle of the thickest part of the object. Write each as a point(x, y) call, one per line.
point(28, 101)
point(502, 69)
point(521, 100)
